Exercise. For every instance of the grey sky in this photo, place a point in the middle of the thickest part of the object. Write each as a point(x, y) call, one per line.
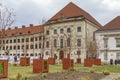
point(33, 11)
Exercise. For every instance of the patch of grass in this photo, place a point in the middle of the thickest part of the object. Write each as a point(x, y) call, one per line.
point(118, 78)
point(55, 68)
point(111, 68)
point(27, 71)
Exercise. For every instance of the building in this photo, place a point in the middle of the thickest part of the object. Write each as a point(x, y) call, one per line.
point(68, 31)
point(21, 41)
point(108, 38)
point(64, 35)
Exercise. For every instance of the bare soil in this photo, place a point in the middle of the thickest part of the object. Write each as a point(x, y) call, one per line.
point(69, 75)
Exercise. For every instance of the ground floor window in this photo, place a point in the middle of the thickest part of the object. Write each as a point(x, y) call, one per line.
point(105, 56)
point(117, 55)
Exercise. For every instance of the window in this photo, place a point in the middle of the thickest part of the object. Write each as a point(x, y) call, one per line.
point(61, 30)
point(118, 56)
point(55, 43)
point(27, 46)
point(23, 40)
point(18, 47)
point(61, 43)
point(68, 30)
point(14, 47)
point(35, 46)
point(105, 42)
point(22, 47)
point(6, 41)
point(78, 29)
point(18, 40)
point(10, 47)
point(78, 52)
point(36, 38)
point(3, 48)
point(6, 47)
point(27, 39)
point(55, 31)
point(14, 40)
point(47, 44)
point(68, 42)
point(78, 42)
point(47, 32)
point(117, 42)
point(105, 56)
point(47, 53)
point(40, 37)
point(10, 41)
point(31, 46)
point(32, 39)
point(39, 45)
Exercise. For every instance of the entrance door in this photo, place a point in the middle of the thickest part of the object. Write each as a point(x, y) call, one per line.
point(61, 55)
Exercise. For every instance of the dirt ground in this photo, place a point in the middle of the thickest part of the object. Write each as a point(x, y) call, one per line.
point(70, 75)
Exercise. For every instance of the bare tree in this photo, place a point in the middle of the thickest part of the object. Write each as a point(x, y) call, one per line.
point(92, 49)
point(7, 18)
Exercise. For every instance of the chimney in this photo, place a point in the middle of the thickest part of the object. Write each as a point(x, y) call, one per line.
point(16, 27)
point(31, 25)
point(9, 28)
point(23, 26)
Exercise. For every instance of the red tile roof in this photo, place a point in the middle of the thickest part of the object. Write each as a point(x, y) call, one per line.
point(72, 10)
point(113, 24)
point(24, 31)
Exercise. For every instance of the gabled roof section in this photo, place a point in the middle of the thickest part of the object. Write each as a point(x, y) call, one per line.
point(72, 10)
point(113, 24)
point(24, 31)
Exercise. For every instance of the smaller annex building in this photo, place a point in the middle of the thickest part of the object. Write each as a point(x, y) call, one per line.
point(108, 40)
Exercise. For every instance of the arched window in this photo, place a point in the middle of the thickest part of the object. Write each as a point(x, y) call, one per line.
point(68, 30)
point(55, 31)
point(55, 43)
point(78, 42)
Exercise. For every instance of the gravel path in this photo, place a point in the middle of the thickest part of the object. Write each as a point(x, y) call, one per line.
point(112, 76)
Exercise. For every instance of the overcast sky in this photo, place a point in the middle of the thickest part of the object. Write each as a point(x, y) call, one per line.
point(33, 11)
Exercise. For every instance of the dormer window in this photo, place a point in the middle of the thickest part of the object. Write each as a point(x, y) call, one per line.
point(12, 34)
point(29, 32)
point(20, 33)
